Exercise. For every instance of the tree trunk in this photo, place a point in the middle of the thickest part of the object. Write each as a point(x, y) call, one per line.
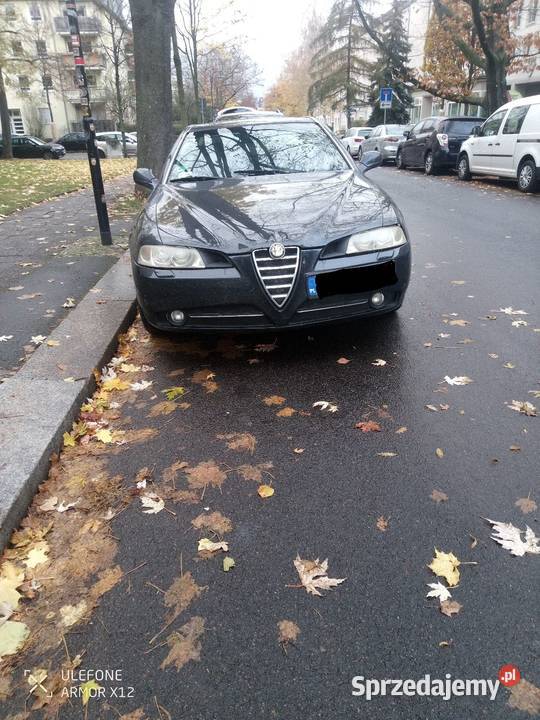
point(348, 91)
point(496, 93)
point(179, 79)
point(152, 24)
point(5, 121)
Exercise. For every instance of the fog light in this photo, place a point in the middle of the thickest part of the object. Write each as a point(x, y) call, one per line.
point(377, 299)
point(177, 317)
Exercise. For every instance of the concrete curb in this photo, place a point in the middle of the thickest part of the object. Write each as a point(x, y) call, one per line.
point(37, 406)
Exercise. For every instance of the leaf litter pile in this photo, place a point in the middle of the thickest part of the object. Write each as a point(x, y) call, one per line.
point(63, 559)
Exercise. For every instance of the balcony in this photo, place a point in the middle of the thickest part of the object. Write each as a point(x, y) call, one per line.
point(87, 25)
point(98, 94)
point(93, 60)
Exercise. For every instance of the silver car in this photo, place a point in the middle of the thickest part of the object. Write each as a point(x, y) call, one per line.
point(114, 142)
point(384, 139)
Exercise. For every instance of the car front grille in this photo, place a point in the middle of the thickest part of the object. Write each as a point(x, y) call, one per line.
point(277, 275)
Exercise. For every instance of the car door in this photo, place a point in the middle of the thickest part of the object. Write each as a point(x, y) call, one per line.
point(421, 141)
point(504, 144)
point(370, 142)
point(408, 147)
point(17, 147)
point(482, 145)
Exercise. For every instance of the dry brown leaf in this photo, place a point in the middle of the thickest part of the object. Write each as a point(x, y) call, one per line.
point(286, 412)
point(450, 607)
point(459, 323)
point(368, 426)
point(243, 442)
point(181, 593)
point(438, 496)
point(254, 472)
point(170, 473)
point(107, 580)
point(526, 505)
point(215, 521)
point(401, 430)
point(205, 378)
point(343, 361)
point(288, 632)
point(387, 454)
point(205, 473)
point(313, 575)
point(184, 645)
point(135, 715)
point(525, 696)
point(166, 407)
point(274, 400)
point(382, 523)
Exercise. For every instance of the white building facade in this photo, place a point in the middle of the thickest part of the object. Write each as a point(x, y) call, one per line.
point(43, 97)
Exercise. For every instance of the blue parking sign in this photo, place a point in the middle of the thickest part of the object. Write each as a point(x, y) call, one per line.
point(385, 97)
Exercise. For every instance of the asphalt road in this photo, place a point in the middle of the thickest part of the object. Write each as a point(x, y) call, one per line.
point(476, 250)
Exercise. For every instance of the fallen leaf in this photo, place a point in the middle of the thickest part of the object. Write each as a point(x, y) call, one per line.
point(184, 645)
point(243, 442)
point(38, 339)
point(526, 505)
point(325, 405)
point(458, 380)
point(439, 452)
point(433, 408)
point(128, 368)
point(525, 696)
point(459, 323)
point(70, 303)
point(114, 384)
point(446, 565)
point(288, 632)
point(438, 496)
point(401, 430)
point(166, 407)
point(511, 311)
point(228, 563)
point(382, 523)
point(52, 343)
point(143, 385)
point(519, 323)
point(298, 451)
point(49, 504)
point(379, 363)
point(37, 555)
point(368, 426)
point(265, 491)
point(439, 591)
point(313, 575)
point(173, 392)
point(524, 407)
point(180, 595)
point(457, 282)
point(450, 607)
point(29, 296)
point(214, 521)
point(509, 365)
point(104, 436)
point(152, 503)
point(71, 614)
point(343, 361)
point(286, 412)
point(387, 454)
point(13, 635)
point(265, 347)
point(87, 689)
point(210, 546)
point(273, 400)
point(254, 472)
point(509, 537)
point(10, 579)
point(64, 507)
point(205, 473)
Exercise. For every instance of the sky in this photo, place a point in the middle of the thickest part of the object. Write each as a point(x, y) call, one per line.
point(274, 30)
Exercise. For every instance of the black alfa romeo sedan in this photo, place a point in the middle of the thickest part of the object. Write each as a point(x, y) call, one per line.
point(264, 222)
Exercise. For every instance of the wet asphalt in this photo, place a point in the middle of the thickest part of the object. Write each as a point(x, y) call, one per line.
point(476, 249)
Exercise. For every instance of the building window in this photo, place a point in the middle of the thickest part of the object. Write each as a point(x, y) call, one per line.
point(533, 11)
point(41, 48)
point(16, 48)
point(35, 12)
point(44, 115)
point(9, 11)
point(17, 124)
point(47, 82)
point(24, 82)
point(86, 47)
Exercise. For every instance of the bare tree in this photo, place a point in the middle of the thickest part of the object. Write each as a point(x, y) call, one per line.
point(226, 73)
point(191, 31)
point(152, 24)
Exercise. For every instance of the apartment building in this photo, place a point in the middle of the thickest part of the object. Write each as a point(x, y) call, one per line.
point(520, 84)
point(43, 97)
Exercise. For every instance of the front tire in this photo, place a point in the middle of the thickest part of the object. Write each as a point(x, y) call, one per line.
point(48, 156)
point(360, 153)
point(528, 176)
point(399, 161)
point(463, 169)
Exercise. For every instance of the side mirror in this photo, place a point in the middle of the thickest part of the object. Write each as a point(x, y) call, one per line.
point(407, 134)
point(476, 130)
point(370, 160)
point(145, 177)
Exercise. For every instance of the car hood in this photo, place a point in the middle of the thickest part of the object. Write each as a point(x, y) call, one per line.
point(237, 215)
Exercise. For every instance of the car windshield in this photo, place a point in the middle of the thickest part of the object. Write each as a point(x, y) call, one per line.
point(461, 127)
point(394, 129)
point(256, 150)
point(36, 140)
point(366, 132)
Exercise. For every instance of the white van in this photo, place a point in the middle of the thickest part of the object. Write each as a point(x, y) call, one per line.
point(507, 145)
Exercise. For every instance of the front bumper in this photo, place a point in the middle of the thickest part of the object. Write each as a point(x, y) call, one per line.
point(233, 298)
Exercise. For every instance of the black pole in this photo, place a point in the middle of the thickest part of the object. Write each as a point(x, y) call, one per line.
point(88, 123)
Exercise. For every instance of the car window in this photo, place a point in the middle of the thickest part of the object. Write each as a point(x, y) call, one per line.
point(416, 129)
point(515, 119)
point(531, 123)
point(492, 124)
point(460, 127)
point(256, 150)
point(429, 125)
point(394, 129)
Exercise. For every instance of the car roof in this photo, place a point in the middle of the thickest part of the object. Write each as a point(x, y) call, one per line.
point(530, 100)
point(250, 119)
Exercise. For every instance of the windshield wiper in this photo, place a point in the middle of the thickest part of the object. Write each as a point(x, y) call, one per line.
point(263, 172)
point(192, 178)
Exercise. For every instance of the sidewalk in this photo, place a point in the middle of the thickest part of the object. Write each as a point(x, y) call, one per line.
point(49, 253)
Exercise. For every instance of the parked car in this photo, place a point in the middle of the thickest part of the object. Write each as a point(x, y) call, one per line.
point(354, 137)
point(384, 139)
point(507, 145)
point(28, 146)
point(114, 139)
point(235, 110)
point(434, 143)
point(76, 142)
point(264, 223)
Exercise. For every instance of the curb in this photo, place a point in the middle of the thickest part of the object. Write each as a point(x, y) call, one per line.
point(37, 406)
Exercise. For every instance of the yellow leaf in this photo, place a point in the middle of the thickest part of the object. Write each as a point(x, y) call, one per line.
point(129, 368)
point(86, 690)
point(12, 637)
point(446, 565)
point(104, 436)
point(265, 491)
point(173, 392)
point(439, 452)
point(115, 384)
point(206, 544)
point(37, 555)
point(53, 343)
point(69, 440)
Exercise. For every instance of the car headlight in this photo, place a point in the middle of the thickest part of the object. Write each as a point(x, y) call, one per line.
point(168, 256)
point(378, 239)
